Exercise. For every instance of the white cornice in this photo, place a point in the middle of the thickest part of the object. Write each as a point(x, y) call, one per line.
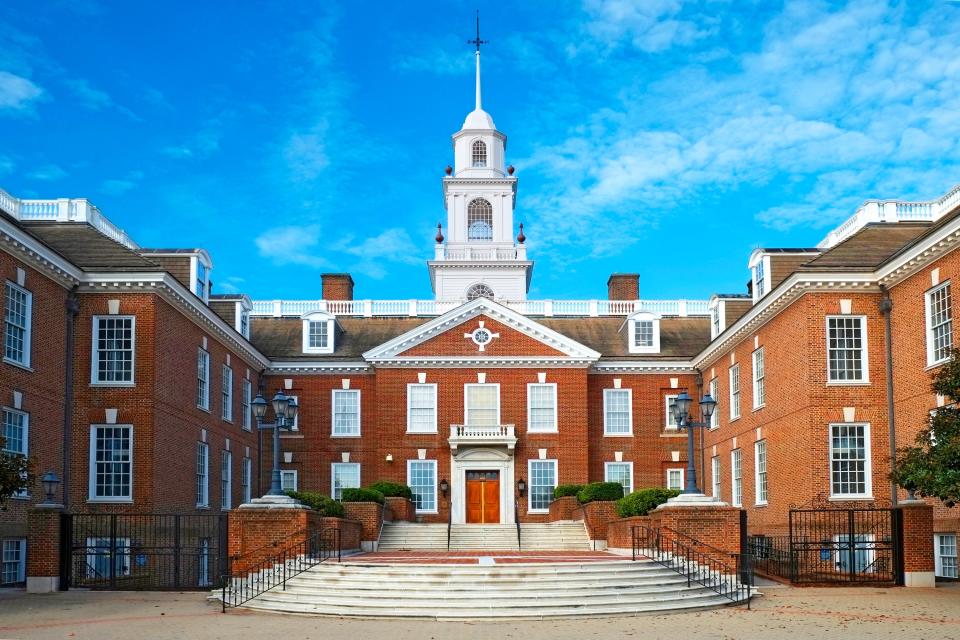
point(643, 366)
point(454, 362)
point(317, 367)
point(925, 252)
point(36, 254)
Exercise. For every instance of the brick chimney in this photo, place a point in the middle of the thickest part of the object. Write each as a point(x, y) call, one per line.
point(623, 286)
point(337, 286)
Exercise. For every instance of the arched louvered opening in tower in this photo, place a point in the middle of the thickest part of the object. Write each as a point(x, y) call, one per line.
point(479, 153)
point(479, 220)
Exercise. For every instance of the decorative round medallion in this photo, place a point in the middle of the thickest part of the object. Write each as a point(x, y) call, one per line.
point(481, 336)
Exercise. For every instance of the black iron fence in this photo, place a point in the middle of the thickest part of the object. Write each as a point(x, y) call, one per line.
point(143, 551)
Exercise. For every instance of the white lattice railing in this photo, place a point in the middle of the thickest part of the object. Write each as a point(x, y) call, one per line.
point(496, 434)
point(418, 308)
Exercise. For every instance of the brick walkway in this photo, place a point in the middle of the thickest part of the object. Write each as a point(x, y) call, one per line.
point(474, 557)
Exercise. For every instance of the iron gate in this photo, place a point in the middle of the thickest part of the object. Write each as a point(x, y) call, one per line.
point(143, 551)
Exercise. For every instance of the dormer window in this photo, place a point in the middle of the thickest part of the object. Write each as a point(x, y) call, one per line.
point(759, 274)
point(201, 285)
point(717, 320)
point(479, 220)
point(644, 330)
point(200, 267)
point(760, 279)
point(479, 152)
point(318, 333)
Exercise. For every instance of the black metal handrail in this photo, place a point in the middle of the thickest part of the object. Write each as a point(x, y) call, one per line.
point(668, 549)
point(516, 518)
point(273, 571)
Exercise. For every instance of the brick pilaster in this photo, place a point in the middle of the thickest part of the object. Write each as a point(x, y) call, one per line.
point(43, 549)
point(918, 561)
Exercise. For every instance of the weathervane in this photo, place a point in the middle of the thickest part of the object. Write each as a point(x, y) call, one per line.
point(477, 41)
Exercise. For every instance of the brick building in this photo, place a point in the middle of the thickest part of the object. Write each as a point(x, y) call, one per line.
point(127, 376)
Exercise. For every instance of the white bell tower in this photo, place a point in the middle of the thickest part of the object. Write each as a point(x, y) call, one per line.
point(480, 255)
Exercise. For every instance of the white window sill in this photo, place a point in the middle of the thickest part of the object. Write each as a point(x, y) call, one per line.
point(547, 431)
point(228, 420)
point(246, 428)
point(422, 433)
point(929, 367)
point(203, 507)
point(850, 498)
point(760, 504)
point(19, 365)
point(344, 435)
point(434, 512)
point(732, 419)
point(204, 409)
point(713, 428)
point(537, 511)
point(110, 500)
point(757, 408)
point(118, 385)
point(618, 435)
point(848, 383)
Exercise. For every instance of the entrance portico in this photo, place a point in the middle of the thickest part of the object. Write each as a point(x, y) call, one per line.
point(489, 471)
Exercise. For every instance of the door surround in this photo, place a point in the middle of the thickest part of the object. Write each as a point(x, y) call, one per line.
point(481, 459)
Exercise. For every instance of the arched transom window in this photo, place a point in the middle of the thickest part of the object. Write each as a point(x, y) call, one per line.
point(479, 220)
point(479, 153)
point(479, 291)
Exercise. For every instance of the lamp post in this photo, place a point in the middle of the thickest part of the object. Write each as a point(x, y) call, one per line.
point(681, 409)
point(284, 411)
point(50, 481)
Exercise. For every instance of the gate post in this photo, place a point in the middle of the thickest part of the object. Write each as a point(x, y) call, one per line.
point(917, 544)
point(43, 548)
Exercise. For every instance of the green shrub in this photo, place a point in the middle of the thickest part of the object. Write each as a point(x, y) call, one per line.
point(392, 489)
point(643, 501)
point(600, 491)
point(362, 495)
point(318, 502)
point(564, 490)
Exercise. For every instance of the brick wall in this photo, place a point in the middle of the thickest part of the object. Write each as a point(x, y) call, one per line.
point(563, 508)
point(596, 516)
point(717, 528)
point(257, 535)
point(401, 510)
point(369, 515)
point(620, 531)
point(623, 286)
point(337, 286)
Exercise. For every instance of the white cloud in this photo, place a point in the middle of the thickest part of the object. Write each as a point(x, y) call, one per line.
point(306, 155)
point(17, 93)
point(89, 96)
point(119, 186)
point(292, 245)
point(648, 25)
point(48, 173)
point(6, 165)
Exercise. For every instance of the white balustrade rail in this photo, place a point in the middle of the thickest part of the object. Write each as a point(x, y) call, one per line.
point(497, 434)
point(426, 308)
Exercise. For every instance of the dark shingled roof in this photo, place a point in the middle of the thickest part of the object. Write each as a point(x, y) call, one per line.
point(282, 338)
point(868, 248)
point(87, 248)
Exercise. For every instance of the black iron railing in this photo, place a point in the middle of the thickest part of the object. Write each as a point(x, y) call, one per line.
point(717, 570)
point(449, 523)
point(771, 556)
point(516, 518)
point(272, 571)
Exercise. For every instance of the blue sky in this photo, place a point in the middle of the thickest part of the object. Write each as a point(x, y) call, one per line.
point(663, 137)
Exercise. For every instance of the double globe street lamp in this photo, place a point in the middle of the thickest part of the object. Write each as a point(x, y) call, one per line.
point(285, 411)
point(681, 415)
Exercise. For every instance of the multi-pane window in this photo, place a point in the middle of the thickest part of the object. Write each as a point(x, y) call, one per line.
point(715, 320)
point(715, 476)
point(542, 407)
point(669, 402)
point(483, 405)
point(346, 412)
point(203, 379)
point(760, 278)
point(736, 478)
point(846, 353)
point(422, 479)
point(939, 324)
point(479, 153)
point(621, 472)
point(643, 333)
point(345, 475)
point(318, 335)
point(675, 479)
point(246, 477)
point(17, 313)
point(479, 220)
point(14, 557)
point(246, 393)
point(113, 349)
point(201, 284)
point(850, 460)
point(543, 479)
point(226, 394)
point(15, 430)
point(759, 386)
point(111, 462)
point(203, 474)
point(422, 408)
point(617, 412)
point(226, 479)
point(245, 324)
point(735, 392)
point(480, 291)
point(714, 390)
point(760, 471)
point(288, 480)
point(945, 554)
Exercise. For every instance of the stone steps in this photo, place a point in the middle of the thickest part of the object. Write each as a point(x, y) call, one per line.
point(497, 537)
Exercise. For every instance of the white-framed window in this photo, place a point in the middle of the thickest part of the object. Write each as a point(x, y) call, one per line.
point(481, 405)
point(675, 479)
point(246, 479)
point(289, 480)
point(422, 479)
point(421, 408)
point(543, 480)
point(617, 412)
point(14, 561)
point(735, 392)
point(104, 551)
point(760, 471)
point(644, 330)
point(939, 323)
point(114, 345)
point(736, 478)
point(714, 391)
point(16, 437)
point(759, 274)
point(759, 385)
point(203, 379)
point(111, 463)
point(246, 399)
point(203, 475)
point(479, 220)
point(318, 334)
point(847, 349)
point(245, 324)
point(226, 480)
point(715, 476)
point(542, 407)
point(200, 286)
point(668, 402)
point(850, 466)
point(621, 472)
point(945, 555)
point(17, 324)
point(296, 419)
point(319, 329)
point(346, 412)
point(643, 333)
point(717, 311)
point(480, 290)
point(344, 475)
point(760, 279)
point(226, 394)
point(479, 152)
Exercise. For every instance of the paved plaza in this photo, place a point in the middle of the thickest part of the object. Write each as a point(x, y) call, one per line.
point(783, 612)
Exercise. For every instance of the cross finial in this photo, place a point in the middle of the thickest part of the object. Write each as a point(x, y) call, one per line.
point(477, 41)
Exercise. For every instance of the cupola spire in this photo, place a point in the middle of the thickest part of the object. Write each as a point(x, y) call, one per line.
point(477, 41)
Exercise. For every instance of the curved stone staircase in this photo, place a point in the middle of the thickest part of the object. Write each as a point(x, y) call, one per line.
point(553, 536)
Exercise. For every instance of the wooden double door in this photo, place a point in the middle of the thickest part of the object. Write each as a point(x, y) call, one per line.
point(483, 497)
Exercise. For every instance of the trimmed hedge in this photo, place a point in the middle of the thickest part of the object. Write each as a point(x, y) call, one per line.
point(564, 490)
point(392, 489)
point(596, 491)
point(643, 501)
point(362, 495)
point(318, 502)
